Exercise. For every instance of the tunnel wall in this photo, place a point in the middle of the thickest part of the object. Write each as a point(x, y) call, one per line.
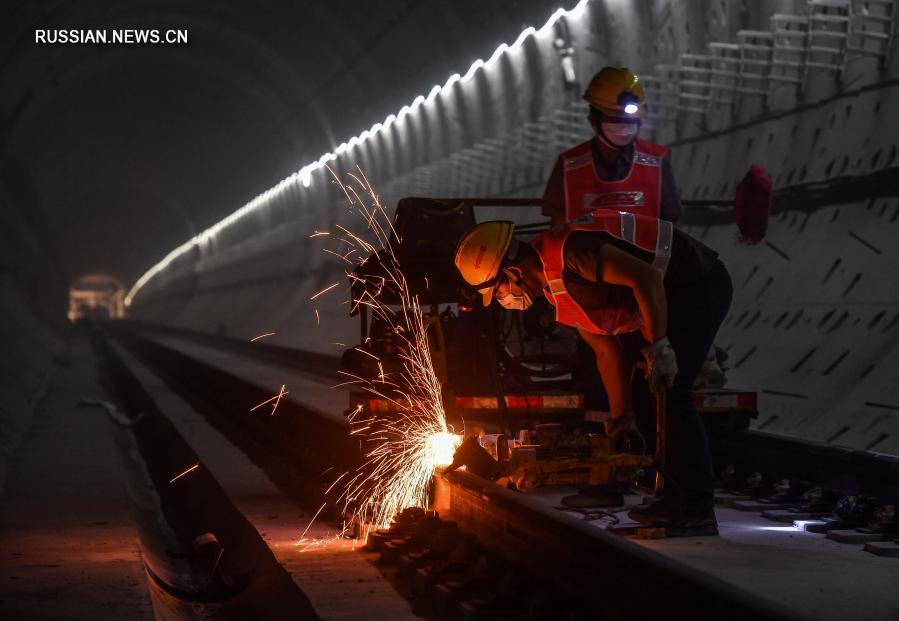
point(32, 306)
point(814, 321)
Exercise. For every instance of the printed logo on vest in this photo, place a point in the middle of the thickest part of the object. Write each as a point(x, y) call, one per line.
point(613, 200)
point(646, 159)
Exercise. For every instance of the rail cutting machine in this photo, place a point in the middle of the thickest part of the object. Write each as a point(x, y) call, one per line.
point(514, 376)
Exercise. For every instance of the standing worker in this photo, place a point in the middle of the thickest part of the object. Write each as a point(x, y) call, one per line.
point(611, 273)
point(615, 169)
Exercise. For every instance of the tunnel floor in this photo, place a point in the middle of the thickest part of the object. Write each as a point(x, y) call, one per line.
point(804, 571)
point(68, 545)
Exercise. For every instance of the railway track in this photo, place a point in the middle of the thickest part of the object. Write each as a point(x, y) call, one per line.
point(594, 568)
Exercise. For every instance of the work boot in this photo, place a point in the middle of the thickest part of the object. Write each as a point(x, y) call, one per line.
point(677, 519)
point(691, 524)
point(661, 506)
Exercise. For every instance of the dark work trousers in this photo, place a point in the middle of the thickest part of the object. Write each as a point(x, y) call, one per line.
point(695, 311)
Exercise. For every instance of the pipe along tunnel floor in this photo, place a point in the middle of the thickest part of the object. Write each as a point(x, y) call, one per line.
point(806, 572)
point(340, 582)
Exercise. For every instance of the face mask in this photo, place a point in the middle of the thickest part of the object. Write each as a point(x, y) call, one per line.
point(516, 302)
point(619, 134)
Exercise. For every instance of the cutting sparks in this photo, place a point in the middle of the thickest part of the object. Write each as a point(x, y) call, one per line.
point(401, 448)
point(261, 336)
point(324, 291)
point(186, 472)
point(275, 401)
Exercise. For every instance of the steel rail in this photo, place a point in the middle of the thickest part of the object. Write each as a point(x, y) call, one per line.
point(293, 448)
point(310, 362)
point(777, 457)
point(612, 576)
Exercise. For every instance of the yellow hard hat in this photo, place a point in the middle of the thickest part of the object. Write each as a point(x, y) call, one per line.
point(480, 254)
point(616, 91)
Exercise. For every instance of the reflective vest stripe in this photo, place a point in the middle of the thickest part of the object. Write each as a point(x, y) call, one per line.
point(628, 228)
point(664, 240)
point(644, 232)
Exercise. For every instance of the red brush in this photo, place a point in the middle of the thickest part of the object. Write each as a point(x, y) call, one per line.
point(752, 204)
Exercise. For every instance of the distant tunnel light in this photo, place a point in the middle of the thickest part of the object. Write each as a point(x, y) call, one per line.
point(304, 175)
point(96, 296)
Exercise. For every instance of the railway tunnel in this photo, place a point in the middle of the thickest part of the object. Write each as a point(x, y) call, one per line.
point(238, 357)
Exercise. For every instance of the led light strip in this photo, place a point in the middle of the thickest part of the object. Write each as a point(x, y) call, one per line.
point(304, 175)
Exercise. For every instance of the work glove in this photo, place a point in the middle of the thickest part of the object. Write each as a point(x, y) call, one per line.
point(625, 436)
point(661, 364)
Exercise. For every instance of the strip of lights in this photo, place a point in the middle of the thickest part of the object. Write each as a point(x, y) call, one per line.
point(304, 175)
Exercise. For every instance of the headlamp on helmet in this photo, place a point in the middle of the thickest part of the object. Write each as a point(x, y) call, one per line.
point(629, 103)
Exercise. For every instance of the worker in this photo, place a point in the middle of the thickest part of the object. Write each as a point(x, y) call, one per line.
point(614, 169)
point(610, 273)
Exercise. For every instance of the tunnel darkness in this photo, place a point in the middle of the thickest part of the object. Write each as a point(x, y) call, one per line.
point(119, 153)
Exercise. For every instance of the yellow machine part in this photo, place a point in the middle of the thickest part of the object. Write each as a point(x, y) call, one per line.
point(528, 476)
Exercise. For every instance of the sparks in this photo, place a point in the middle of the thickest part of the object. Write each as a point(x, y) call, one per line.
point(309, 525)
point(277, 399)
point(403, 447)
point(261, 336)
point(324, 291)
point(188, 471)
point(280, 395)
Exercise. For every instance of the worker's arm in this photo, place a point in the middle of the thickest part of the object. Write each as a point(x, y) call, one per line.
point(617, 267)
point(613, 369)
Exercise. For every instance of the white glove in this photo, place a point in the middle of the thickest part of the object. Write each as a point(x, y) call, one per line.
point(661, 363)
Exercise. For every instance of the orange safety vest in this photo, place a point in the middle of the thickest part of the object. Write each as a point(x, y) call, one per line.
point(640, 192)
point(647, 233)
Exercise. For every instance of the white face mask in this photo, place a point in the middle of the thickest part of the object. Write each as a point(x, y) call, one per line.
point(516, 302)
point(620, 134)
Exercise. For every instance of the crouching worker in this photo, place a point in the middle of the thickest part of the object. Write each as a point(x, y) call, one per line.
point(609, 273)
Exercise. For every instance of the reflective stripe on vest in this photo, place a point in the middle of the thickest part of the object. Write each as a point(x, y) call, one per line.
point(643, 232)
point(639, 192)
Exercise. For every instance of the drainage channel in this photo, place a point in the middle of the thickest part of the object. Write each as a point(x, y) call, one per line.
point(203, 558)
